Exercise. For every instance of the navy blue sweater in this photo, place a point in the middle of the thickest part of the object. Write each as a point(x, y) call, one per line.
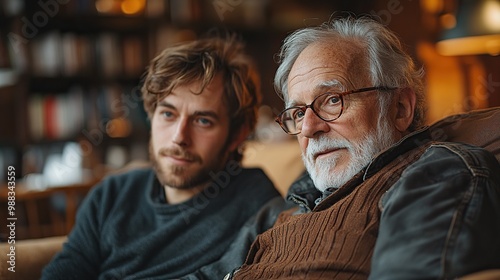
point(125, 229)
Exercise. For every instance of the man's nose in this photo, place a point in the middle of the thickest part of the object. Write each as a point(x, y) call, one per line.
point(182, 133)
point(312, 125)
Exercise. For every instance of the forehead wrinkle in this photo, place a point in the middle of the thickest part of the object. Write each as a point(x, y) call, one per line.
point(296, 69)
point(349, 64)
point(296, 76)
point(323, 59)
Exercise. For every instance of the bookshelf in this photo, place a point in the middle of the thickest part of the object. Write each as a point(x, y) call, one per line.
point(78, 67)
point(78, 71)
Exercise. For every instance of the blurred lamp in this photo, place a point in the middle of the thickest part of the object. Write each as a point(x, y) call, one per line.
point(477, 29)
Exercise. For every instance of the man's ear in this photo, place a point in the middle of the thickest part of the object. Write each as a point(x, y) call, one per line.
point(241, 135)
point(405, 107)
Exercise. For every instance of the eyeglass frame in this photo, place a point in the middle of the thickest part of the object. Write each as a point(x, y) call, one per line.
point(341, 95)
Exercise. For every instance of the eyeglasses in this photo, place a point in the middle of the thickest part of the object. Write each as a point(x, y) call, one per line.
point(327, 106)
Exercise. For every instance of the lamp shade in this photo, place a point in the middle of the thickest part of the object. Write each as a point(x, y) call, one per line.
point(477, 29)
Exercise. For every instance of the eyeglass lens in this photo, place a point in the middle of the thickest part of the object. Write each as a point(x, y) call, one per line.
point(327, 106)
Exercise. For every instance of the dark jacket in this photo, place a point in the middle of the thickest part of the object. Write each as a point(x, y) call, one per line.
point(420, 210)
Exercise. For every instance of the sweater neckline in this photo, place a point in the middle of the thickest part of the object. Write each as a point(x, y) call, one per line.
point(157, 199)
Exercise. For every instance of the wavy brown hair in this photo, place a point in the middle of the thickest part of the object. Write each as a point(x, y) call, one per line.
point(202, 60)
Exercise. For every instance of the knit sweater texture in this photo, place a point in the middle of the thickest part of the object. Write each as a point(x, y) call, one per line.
point(333, 241)
point(125, 229)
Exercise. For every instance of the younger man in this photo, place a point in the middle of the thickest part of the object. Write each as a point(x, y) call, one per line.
point(182, 214)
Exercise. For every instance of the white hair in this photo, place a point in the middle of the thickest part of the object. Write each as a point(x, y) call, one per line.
point(389, 65)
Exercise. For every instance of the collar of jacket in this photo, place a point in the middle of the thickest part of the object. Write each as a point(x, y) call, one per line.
point(304, 193)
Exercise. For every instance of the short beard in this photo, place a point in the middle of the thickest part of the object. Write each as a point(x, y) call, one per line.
point(176, 176)
point(361, 155)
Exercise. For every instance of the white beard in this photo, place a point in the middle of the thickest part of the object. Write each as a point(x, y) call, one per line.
point(360, 156)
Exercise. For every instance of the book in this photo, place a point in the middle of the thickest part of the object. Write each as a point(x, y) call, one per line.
point(46, 51)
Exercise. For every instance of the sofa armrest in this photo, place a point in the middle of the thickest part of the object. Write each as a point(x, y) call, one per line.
point(491, 274)
point(281, 161)
point(30, 257)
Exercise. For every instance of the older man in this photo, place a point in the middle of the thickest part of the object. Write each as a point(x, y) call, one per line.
point(181, 215)
point(385, 202)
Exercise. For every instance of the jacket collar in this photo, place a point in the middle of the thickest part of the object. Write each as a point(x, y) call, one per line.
point(407, 143)
point(304, 193)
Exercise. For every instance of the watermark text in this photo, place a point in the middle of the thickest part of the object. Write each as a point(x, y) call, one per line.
point(11, 218)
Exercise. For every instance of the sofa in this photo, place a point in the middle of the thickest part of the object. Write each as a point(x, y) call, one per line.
point(282, 162)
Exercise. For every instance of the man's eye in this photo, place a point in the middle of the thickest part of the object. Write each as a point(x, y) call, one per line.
point(332, 100)
point(298, 114)
point(167, 114)
point(203, 122)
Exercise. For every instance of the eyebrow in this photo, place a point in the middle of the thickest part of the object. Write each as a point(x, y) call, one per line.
point(165, 104)
point(207, 113)
point(322, 87)
point(211, 114)
point(330, 84)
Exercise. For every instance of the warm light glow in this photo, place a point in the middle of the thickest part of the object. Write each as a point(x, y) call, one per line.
point(470, 45)
point(448, 21)
point(445, 90)
point(477, 30)
point(118, 128)
point(131, 7)
point(432, 6)
point(477, 83)
point(104, 6)
point(491, 12)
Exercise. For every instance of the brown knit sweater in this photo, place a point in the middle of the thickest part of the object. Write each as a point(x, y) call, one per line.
point(335, 240)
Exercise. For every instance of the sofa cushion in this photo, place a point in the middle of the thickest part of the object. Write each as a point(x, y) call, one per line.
point(30, 257)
